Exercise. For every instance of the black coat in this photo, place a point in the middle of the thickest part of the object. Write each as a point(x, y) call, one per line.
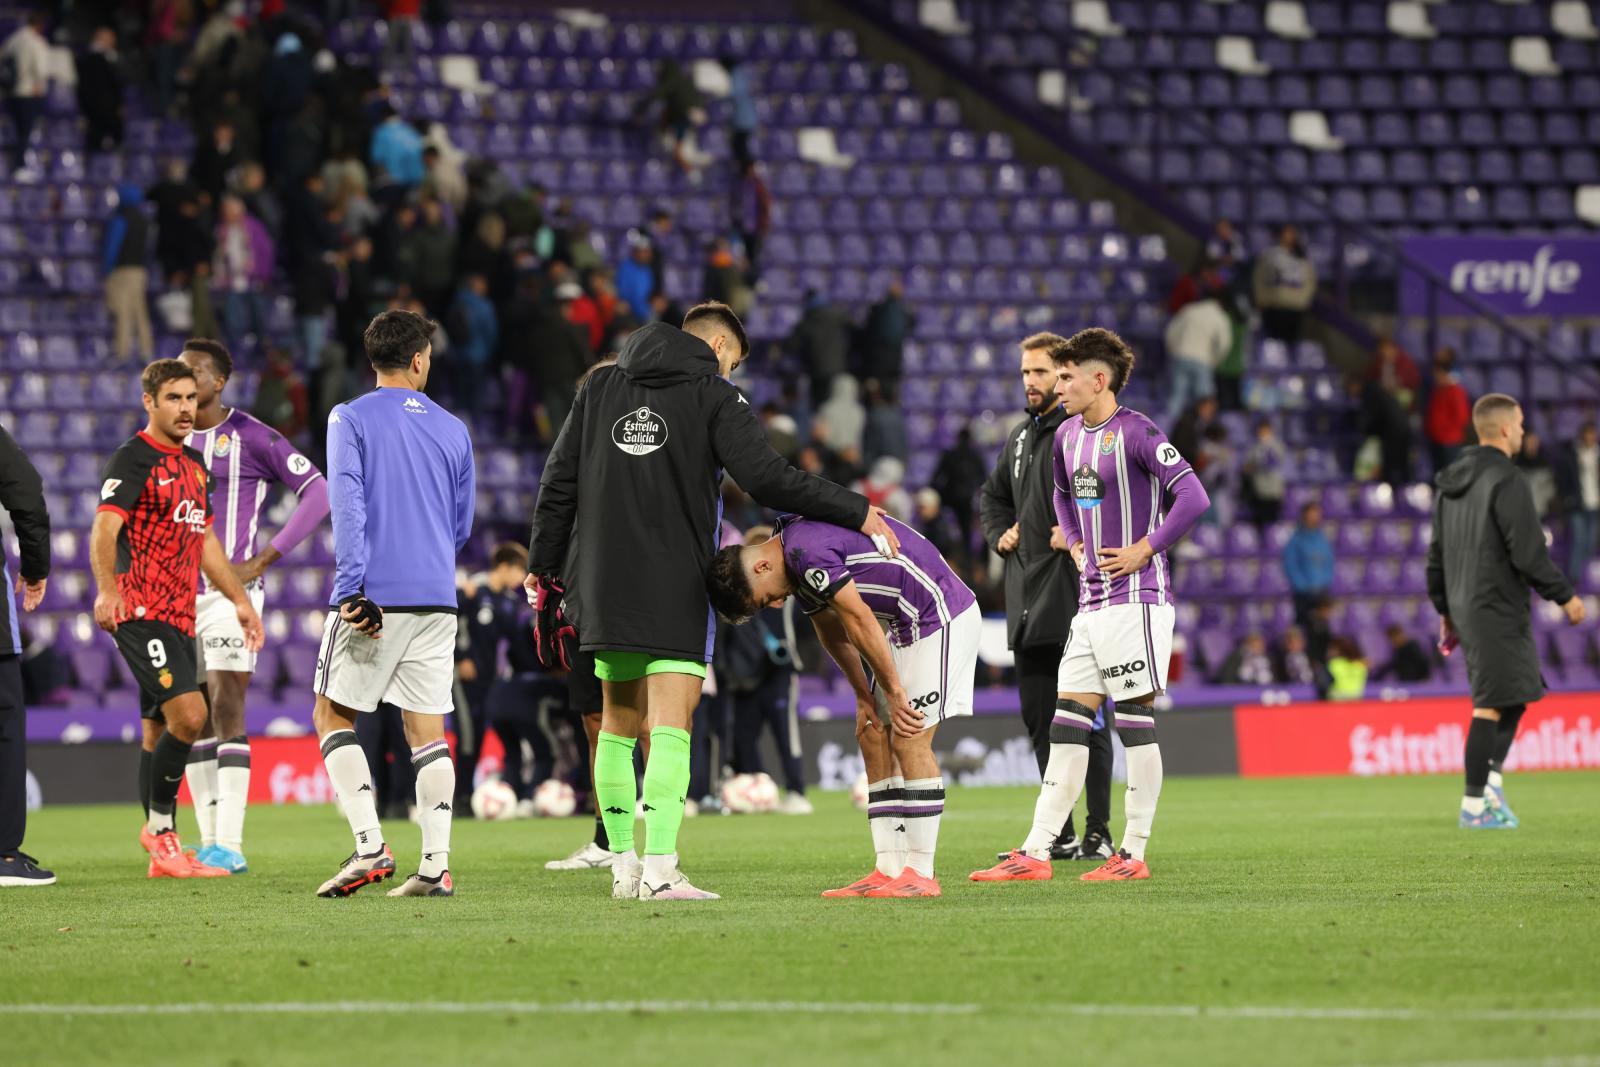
point(1487, 550)
point(634, 482)
point(1041, 583)
point(22, 495)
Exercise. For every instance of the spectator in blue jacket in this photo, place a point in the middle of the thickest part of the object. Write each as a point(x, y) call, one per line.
point(397, 148)
point(1308, 563)
point(123, 256)
point(636, 278)
point(474, 336)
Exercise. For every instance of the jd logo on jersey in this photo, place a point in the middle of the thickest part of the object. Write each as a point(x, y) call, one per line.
point(639, 432)
point(927, 700)
point(817, 578)
point(1088, 488)
point(1123, 668)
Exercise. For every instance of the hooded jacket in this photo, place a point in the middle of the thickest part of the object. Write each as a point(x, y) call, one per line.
point(633, 484)
point(1041, 583)
point(127, 232)
point(1487, 550)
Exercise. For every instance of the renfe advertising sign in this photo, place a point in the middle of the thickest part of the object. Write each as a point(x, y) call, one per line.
point(1560, 732)
point(1512, 275)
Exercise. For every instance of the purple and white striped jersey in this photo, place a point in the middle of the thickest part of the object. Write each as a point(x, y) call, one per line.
point(246, 456)
point(1110, 483)
point(915, 593)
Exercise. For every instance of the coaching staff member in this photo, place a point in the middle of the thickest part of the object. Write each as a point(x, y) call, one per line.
point(634, 479)
point(1487, 549)
point(1019, 522)
point(22, 495)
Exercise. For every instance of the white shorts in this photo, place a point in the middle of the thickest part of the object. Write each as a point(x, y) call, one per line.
point(1121, 651)
point(412, 665)
point(937, 671)
point(219, 639)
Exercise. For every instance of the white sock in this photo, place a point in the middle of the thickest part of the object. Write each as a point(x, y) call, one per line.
point(897, 789)
point(1063, 781)
point(923, 807)
point(1496, 779)
point(659, 869)
point(1139, 802)
point(883, 819)
point(233, 791)
point(436, 790)
point(1472, 805)
point(352, 781)
point(201, 774)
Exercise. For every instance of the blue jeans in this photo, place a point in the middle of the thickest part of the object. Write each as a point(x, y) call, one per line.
point(1191, 381)
point(244, 314)
point(313, 338)
point(1584, 525)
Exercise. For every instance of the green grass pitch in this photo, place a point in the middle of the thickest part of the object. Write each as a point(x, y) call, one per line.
point(1320, 921)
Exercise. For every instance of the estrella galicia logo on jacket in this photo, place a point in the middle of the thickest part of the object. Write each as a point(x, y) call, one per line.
point(639, 432)
point(1088, 488)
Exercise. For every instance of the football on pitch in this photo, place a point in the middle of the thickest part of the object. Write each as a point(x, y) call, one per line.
point(494, 800)
point(554, 799)
point(748, 794)
point(858, 792)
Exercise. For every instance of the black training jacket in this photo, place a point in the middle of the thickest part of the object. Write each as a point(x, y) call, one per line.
point(1041, 583)
point(22, 495)
point(1487, 550)
point(634, 480)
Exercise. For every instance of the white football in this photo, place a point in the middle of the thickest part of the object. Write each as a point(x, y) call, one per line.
point(858, 792)
point(494, 801)
point(554, 799)
point(749, 794)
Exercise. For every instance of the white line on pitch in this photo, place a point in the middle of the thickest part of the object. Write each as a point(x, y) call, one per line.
point(807, 1007)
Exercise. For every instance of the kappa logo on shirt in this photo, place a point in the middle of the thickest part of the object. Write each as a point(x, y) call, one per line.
point(639, 432)
point(415, 406)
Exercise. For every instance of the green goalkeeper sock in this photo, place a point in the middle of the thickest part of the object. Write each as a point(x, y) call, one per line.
point(615, 788)
point(666, 785)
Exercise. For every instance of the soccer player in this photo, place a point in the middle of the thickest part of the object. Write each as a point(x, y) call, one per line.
point(245, 457)
point(1114, 473)
point(401, 482)
point(1487, 549)
point(921, 673)
point(151, 539)
point(584, 700)
point(634, 481)
point(489, 610)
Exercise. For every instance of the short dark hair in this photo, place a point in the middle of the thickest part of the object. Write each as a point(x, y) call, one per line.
point(161, 372)
point(393, 337)
point(1101, 345)
point(509, 552)
point(729, 586)
point(715, 315)
point(221, 361)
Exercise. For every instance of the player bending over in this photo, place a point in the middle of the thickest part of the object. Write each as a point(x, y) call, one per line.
point(1115, 472)
point(921, 673)
point(151, 539)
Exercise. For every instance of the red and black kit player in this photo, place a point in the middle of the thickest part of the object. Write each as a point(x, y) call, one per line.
point(151, 538)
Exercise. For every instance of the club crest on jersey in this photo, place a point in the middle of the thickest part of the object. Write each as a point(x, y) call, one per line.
point(817, 578)
point(639, 432)
point(1108, 443)
point(1088, 488)
point(223, 446)
point(165, 678)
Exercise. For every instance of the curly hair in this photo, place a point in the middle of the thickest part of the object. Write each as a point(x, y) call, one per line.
point(729, 586)
point(1099, 345)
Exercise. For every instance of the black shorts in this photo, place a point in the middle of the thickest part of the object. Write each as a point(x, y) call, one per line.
point(583, 688)
point(162, 658)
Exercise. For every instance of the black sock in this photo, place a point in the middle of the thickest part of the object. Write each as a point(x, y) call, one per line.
point(144, 781)
point(601, 838)
point(1510, 719)
point(166, 775)
point(1480, 747)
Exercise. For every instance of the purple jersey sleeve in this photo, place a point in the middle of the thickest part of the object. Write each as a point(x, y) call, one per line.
point(286, 465)
point(1153, 453)
point(1066, 510)
point(818, 564)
